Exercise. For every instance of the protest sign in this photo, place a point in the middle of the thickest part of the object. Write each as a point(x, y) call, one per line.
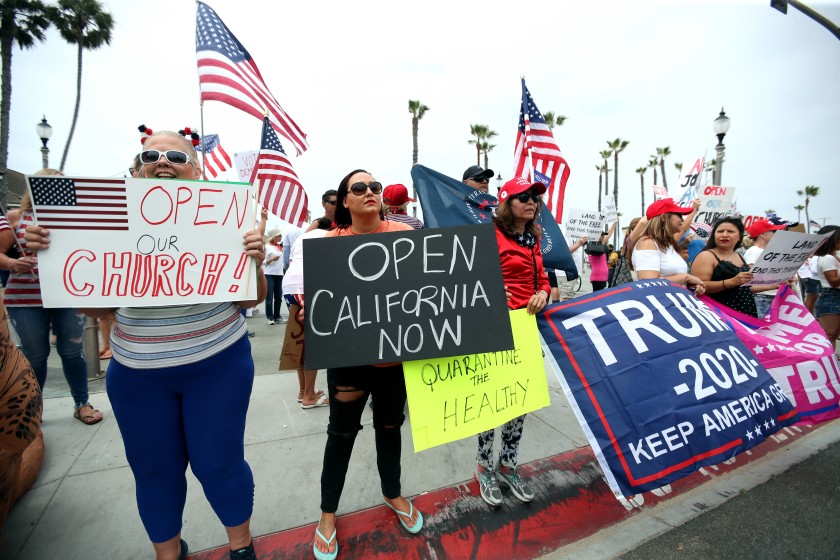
point(143, 242)
point(659, 382)
point(610, 211)
point(688, 183)
point(292, 351)
point(748, 220)
point(783, 256)
point(245, 162)
point(404, 295)
point(715, 202)
point(457, 397)
point(660, 192)
point(793, 347)
point(580, 223)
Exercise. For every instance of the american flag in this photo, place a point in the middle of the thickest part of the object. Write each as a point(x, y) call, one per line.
point(536, 148)
point(227, 73)
point(216, 159)
point(86, 204)
point(279, 187)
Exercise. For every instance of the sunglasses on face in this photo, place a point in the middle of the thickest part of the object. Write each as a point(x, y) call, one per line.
point(480, 179)
point(525, 197)
point(330, 202)
point(359, 188)
point(172, 156)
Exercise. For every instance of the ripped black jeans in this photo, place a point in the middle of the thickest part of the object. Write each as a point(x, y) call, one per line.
point(349, 389)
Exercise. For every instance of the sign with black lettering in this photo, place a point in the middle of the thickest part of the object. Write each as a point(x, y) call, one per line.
point(660, 382)
point(404, 295)
point(784, 254)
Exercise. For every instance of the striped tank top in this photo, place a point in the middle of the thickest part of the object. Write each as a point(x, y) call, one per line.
point(23, 289)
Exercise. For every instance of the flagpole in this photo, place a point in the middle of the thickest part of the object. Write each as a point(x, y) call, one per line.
point(527, 132)
point(203, 146)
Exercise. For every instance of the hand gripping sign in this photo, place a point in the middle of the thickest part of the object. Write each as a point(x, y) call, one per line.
point(660, 384)
point(143, 242)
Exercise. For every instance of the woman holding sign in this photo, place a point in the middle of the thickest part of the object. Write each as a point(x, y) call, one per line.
point(179, 383)
point(527, 286)
point(827, 308)
point(655, 254)
point(358, 211)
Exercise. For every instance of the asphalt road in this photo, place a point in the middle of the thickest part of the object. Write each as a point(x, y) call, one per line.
point(794, 515)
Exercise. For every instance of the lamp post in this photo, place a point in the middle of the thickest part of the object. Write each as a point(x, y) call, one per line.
point(720, 126)
point(499, 184)
point(44, 131)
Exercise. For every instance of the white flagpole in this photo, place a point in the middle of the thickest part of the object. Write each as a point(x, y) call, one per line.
point(203, 151)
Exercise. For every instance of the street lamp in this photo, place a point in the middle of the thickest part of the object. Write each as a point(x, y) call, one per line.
point(498, 184)
point(720, 126)
point(44, 131)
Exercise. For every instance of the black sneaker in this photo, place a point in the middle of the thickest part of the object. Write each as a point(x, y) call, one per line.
point(184, 550)
point(246, 553)
point(251, 334)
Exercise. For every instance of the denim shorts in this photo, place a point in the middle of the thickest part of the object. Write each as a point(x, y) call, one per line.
point(828, 302)
point(812, 286)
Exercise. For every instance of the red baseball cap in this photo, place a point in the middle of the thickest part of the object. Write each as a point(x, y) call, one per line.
point(396, 195)
point(666, 206)
point(519, 185)
point(762, 226)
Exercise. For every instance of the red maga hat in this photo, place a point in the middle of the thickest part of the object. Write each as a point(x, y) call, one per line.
point(519, 185)
point(666, 206)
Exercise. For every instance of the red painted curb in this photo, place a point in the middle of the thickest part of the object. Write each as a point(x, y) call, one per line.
point(573, 502)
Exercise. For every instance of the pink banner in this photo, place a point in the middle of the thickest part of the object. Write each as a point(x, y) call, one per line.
point(793, 347)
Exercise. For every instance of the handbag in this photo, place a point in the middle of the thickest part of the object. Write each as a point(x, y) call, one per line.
point(621, 273)
point(595, 248)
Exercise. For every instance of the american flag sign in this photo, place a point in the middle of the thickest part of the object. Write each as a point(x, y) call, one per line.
point(536, 150)
point(227, 73)
point(279, 187)
point(84, 204)
point(216, 159)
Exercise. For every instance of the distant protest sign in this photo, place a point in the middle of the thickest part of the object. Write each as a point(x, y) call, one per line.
point(659, 382)
point(783, 256)
point(610, 211)
point(143, 242)
point(660, 192)
point(457, 397)
point(689, 183)
point(580, 223)
point(715, 202)
point(405, 295)
point(245, 162)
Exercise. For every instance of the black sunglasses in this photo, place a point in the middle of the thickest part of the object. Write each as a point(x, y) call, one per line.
point(480, 179)
point(173, 156)
point(525, 197)
point(332, 202)
point(359, 188)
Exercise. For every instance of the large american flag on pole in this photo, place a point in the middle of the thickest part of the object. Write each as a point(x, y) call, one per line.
point(216, 158)
point(227, 73)
point(279, 187)
point(537, 151)
point(86, 204)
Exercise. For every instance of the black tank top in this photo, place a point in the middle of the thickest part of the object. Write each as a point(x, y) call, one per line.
point(738, 298)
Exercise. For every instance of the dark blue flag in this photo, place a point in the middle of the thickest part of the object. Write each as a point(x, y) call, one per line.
point(448, 202)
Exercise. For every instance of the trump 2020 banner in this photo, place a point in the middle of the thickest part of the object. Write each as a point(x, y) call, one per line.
point(660, 383)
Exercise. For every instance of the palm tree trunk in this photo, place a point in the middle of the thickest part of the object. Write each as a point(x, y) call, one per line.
point(76, 110)
point(807, 216)
point(662, 167)
point(486, 163)
point(654, 175)
point(606, 179)
point(478, 151)
point(643, 194)
point(600, 183)
point(6, 103)
point(414, 126)
point(615, 182)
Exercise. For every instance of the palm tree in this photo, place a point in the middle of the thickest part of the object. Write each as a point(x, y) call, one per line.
point(617, 146)
point(799, 208)
point(480, 132)
point(679, 167)
point(552, 120)
point(770, 211)
point(600, 169)
point(663, 153)
point(86, 24)
point(810, 192)
point(654, 161)
point(23, 22)
point(606, 155)
point(417, 111)
point(641, 171)
point(487, 147)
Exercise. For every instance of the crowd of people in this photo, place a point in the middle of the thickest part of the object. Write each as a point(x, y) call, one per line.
point(193, 361)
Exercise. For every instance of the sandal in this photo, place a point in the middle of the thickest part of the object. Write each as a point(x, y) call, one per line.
point(88, 419)
point(323, 400)
point(325, 555)
point(418, 525)
point(300, 395)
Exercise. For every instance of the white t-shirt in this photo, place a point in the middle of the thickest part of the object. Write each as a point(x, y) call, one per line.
point(274, 268)
point(750, 257)
point(667, 263)
point(293, 279)
point(827, 262)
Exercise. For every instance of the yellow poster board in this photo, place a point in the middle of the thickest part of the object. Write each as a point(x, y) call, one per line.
point(461, 396)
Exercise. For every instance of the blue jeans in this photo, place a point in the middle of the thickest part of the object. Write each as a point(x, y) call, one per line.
point(274, 296)
point(763, 303)
point(33, 327)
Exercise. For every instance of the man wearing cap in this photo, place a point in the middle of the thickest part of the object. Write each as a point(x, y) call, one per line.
point(396, 198)
point(478, 178)
point(273, 264)
point(328, 200)
point(760, 231)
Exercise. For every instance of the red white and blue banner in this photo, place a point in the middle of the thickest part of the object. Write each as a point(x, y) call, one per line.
point(660, 383)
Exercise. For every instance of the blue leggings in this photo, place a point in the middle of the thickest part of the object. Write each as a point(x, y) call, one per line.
point(192, 414)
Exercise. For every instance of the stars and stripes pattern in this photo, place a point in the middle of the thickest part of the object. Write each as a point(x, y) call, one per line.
point(216, 159)
point(227, 73)
point(279, 187)
point(537, 151)
point(83, 204)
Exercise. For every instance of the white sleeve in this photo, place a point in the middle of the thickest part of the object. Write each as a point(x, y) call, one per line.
point(647, 259)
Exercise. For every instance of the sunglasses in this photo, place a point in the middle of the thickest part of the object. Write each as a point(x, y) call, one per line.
point(330, 202)
point(172, 156)
point(480, 179)
point(359, 188)
point(525, 197)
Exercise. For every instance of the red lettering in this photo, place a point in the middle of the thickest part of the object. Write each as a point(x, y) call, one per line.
point(211, 272)
point(156, 206)
point(69, 265)
point(179, 201)
point(142, 277)
point(200, 206)
point(114, 272)
point(183, 288)
point(163, 264)
point(234, 201)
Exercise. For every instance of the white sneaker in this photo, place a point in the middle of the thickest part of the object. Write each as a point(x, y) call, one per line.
point(270, 322)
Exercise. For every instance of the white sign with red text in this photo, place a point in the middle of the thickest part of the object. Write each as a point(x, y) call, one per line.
point(715, 202)
point(245, 162)
point(143, 242)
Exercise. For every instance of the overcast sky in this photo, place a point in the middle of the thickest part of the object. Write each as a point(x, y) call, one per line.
point(653, 73)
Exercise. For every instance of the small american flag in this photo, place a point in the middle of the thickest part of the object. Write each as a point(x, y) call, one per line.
point(227, 73)
point(279, 187)
point(216, 158)
point(86, 204)
point(536, 149)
